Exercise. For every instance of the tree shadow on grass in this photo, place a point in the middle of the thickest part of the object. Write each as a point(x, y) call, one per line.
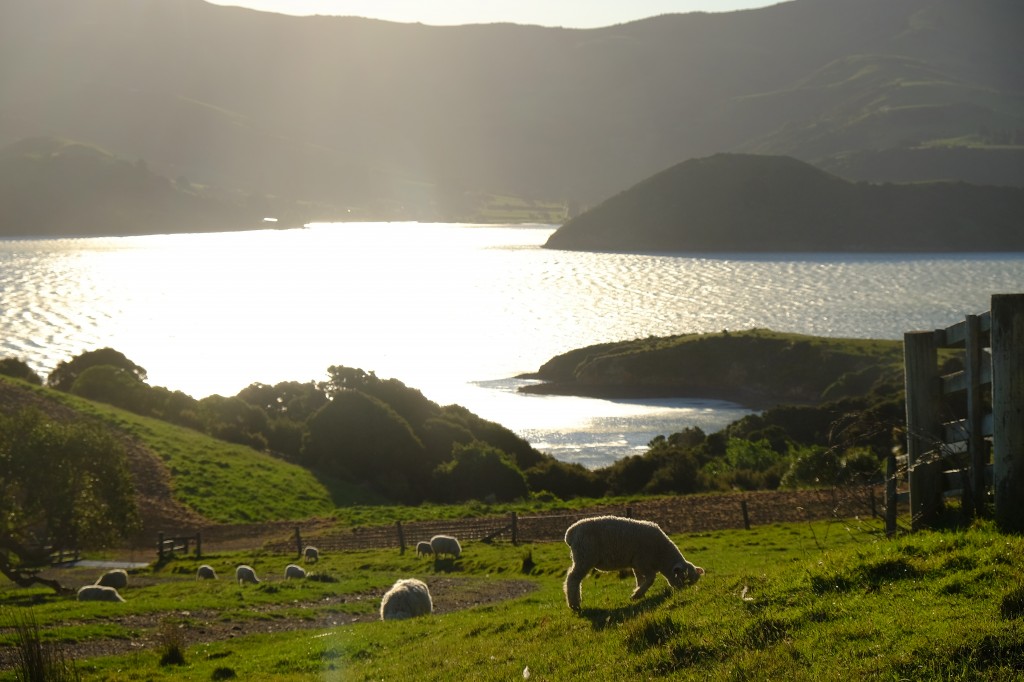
point(603, 618)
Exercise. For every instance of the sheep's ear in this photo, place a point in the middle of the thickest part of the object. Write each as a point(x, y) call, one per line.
point(700, 571)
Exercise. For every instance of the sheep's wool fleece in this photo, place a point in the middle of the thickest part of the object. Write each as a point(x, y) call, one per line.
point(407, 598)
point(613, 542)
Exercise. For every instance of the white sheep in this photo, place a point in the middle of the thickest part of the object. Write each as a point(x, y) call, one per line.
point(610, 543)
point(423, 549)
point(206, 572)
point(311, 555)
point(294, 571)
point(98, 593)
point(246, 574)
point(116, 578)
point(407, 598)
point(445, 544)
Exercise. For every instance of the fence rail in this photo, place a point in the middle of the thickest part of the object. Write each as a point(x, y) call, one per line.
point(965, 430)
point(682, 514)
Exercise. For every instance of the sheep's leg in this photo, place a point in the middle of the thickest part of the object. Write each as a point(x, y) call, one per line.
point(643, 583)
point(572, 585)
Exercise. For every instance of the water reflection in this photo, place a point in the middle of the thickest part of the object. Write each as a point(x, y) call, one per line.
point(451, 310)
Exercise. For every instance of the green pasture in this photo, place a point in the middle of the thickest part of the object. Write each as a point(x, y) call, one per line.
point(820, 601)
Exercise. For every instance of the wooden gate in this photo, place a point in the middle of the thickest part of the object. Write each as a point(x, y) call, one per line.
point(971, 420)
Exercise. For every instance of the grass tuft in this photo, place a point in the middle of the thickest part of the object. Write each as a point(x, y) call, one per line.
point(650, 630)
point(1012, 604)
point(172, 644)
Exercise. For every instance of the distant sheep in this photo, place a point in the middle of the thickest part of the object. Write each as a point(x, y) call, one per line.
point(116, 578)
point(407, 598)
point(98, 593)
point(206, 572)
point(246, 574)
point(294, 571)
point(445, 544)
point(311, 555)
point(610, 543)
point(423, 549)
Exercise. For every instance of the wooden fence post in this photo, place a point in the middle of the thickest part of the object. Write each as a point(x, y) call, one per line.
point(515, 528)
point(746, 516)
point(891, 498)
point(924, 424)
point(199, 544)
point(298, 541)
point(973, 495)
point(1008, 410)
point(401, 537)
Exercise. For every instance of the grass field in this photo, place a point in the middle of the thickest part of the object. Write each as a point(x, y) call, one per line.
point(818, 601)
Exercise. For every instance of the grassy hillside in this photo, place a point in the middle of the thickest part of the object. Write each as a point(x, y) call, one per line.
point(220, 481)
point(831, 600)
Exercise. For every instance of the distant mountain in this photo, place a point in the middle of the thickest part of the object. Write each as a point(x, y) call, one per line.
point(51, 187)
point(743, 202)
point(369, 119)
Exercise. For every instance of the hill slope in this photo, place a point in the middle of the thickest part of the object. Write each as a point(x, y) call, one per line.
point(739, 202)
point(184, 479)
point(51, 187)
point(411, 120)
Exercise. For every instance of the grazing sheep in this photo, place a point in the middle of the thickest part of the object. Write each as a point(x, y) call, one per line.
point(407, 598)
point(246, 574)
point(294, 571)
point(610, 543)
point(445, 544)
point(117, 578)
point(206, 572)
point(423, 549)
point(311, 555)
point(98, 593)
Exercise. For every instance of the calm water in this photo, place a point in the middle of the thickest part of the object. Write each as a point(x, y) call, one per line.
point(452, 310)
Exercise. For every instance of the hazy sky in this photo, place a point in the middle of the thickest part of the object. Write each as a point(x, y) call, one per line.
point(567, 13)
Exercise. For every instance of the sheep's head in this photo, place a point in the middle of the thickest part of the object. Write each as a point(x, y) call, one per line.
point(685, 574)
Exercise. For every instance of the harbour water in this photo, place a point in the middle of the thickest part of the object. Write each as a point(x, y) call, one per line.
point(456, 311)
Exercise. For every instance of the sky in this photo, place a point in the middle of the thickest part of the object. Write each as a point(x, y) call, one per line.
point(565, 13)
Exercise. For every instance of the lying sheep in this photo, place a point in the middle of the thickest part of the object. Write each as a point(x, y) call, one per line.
point(407, 598)
point(246, 574)
point(206, 572)
point(445, 544)
point(311, 555)
point(294, 571)
point(116, 578)
point(98, 593)
point(423, 549)
point(610, 543)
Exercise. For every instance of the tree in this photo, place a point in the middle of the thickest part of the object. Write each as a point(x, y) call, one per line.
point(66, 372)
point(358, 438)
point(19, 369)
point(114, 386)
point(479, 471)
point(62, 484)
point(234, 420)
point(288, 399)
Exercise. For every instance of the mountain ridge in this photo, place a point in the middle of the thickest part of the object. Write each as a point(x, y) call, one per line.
point(403, 120)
